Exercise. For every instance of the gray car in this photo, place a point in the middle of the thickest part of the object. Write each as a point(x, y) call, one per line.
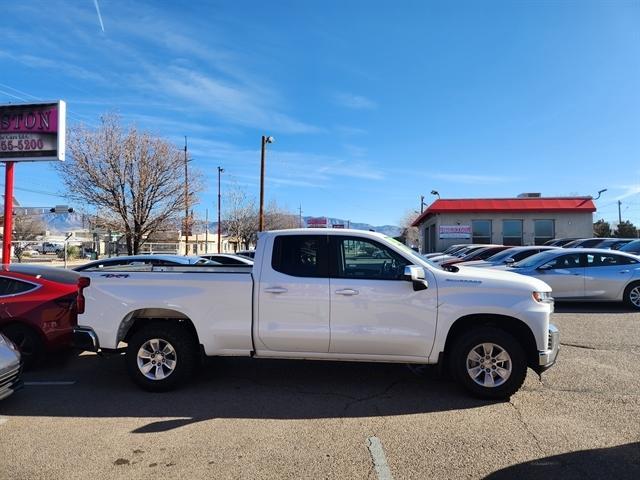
point(9, 367)
point(586, 274)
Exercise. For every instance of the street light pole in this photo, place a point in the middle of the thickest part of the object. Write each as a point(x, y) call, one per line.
point(265, 140)
point(220, 170)
point(186, 199)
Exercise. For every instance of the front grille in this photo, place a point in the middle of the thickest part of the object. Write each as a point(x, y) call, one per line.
point(8, 379)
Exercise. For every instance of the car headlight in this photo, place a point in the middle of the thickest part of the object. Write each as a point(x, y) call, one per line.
point(5, 341)
point(543, 297)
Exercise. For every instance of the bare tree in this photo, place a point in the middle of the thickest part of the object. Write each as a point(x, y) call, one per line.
point(240, 216)
point(26, 228)
point(279, 218)
point(410, 234)
point(132, 177)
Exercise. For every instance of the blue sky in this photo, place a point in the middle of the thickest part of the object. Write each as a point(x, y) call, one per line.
point(371, 103)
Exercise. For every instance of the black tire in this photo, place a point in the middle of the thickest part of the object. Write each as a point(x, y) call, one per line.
point(631, 295)
point(28, 341)
point(185, 356)
point(460, 366)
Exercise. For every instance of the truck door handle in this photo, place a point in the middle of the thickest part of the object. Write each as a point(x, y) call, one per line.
point(347, 292)
point(276, 290)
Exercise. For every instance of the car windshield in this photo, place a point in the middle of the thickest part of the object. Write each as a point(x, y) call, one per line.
point(633, 247)
point(534, 260)
point(503, 255)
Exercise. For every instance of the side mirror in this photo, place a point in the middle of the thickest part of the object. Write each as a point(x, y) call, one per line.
point(415, 275)
point(544, 268)
point(510, 261)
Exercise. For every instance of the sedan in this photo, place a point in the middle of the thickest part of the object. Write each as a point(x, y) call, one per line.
point(511, 255)
point(9, 367)
point(39, 308)
point(480, 254)
point(586, 274)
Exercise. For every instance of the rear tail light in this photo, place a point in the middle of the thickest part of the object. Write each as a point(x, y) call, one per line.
point(83, 282)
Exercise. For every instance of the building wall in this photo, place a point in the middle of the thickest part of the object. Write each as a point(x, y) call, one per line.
point(566, 225)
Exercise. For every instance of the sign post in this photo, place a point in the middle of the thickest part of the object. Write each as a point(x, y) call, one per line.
point(29, 132)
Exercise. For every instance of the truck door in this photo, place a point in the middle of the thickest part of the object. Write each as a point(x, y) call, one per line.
point(293, 300)
point(374, 311)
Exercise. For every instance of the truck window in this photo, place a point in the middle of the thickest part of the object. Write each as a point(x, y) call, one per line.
point(366, 259)
point(300, 255)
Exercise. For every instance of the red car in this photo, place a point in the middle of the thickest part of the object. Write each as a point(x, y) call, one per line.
point(39, 308)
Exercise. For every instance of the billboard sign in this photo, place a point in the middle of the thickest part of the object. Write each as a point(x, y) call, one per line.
point(317, 222)
point(455, 231)
point(33, 132)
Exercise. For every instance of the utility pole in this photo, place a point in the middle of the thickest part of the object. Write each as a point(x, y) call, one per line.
point(421, 204)
point(619, 213)
point(263, 150)
point(220, 170)
point(186, 199)
point(300, 215)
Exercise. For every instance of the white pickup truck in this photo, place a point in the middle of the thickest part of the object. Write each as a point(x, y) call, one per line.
point(344, 295)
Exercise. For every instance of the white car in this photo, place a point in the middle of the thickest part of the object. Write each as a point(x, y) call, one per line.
point(312, 295)
point(9, 367)
point(143, 262)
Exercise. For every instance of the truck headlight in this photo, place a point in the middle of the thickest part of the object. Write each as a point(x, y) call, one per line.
point(5, 341)
point(543, 297)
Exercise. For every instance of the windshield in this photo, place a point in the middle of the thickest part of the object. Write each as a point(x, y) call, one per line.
point(503, 255)
point(534, 260)
point(631, 247)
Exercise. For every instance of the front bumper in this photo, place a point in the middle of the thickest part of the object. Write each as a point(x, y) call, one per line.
point(84, 338)
point(547, 358)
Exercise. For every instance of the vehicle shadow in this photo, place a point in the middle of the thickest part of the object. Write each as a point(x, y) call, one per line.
point(592, 307)
point(621, 462)
point(238, 388)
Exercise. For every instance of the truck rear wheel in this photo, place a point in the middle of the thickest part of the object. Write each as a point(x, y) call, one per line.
point(161, 356)
point(489, 363)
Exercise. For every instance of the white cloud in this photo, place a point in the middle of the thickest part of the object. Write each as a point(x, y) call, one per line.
point(630, 190)
point(356, 102)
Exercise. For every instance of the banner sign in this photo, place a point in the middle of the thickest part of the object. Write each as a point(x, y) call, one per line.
point(455, 231)
point(32, 132)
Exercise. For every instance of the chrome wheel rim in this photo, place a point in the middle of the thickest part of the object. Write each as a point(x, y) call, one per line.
point(489, 365)
point(634, 296)
point(157, 359)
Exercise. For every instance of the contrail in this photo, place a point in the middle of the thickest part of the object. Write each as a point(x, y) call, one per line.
point(99, 16)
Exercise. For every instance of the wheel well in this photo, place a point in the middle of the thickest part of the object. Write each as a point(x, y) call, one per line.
point(513, 326)
point(27, 325)
point(139, 318)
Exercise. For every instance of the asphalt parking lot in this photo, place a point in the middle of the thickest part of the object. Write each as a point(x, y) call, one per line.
point(81, 417)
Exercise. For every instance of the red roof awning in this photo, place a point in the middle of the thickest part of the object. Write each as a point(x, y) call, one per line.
point(508, 205)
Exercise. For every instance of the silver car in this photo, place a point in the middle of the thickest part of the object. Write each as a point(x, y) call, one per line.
point(9, 367)
point(586, 274)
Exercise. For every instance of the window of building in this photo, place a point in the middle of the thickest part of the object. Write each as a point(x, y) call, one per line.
point(300, 255)
point(481, 231)
point(543, 231)
point(512, 232)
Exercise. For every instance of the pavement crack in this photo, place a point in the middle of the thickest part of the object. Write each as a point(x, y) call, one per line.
point(386, 390)
point(526, 427)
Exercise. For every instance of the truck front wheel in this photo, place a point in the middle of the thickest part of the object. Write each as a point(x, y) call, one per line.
point(489, 363)
point(161, 356)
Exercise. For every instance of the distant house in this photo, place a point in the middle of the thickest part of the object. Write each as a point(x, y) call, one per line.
point(528, 219)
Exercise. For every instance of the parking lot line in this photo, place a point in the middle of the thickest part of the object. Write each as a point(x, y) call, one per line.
point(43, 384)
point(379, 459)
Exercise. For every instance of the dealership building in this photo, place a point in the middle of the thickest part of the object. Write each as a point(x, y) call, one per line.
point(528, 219)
